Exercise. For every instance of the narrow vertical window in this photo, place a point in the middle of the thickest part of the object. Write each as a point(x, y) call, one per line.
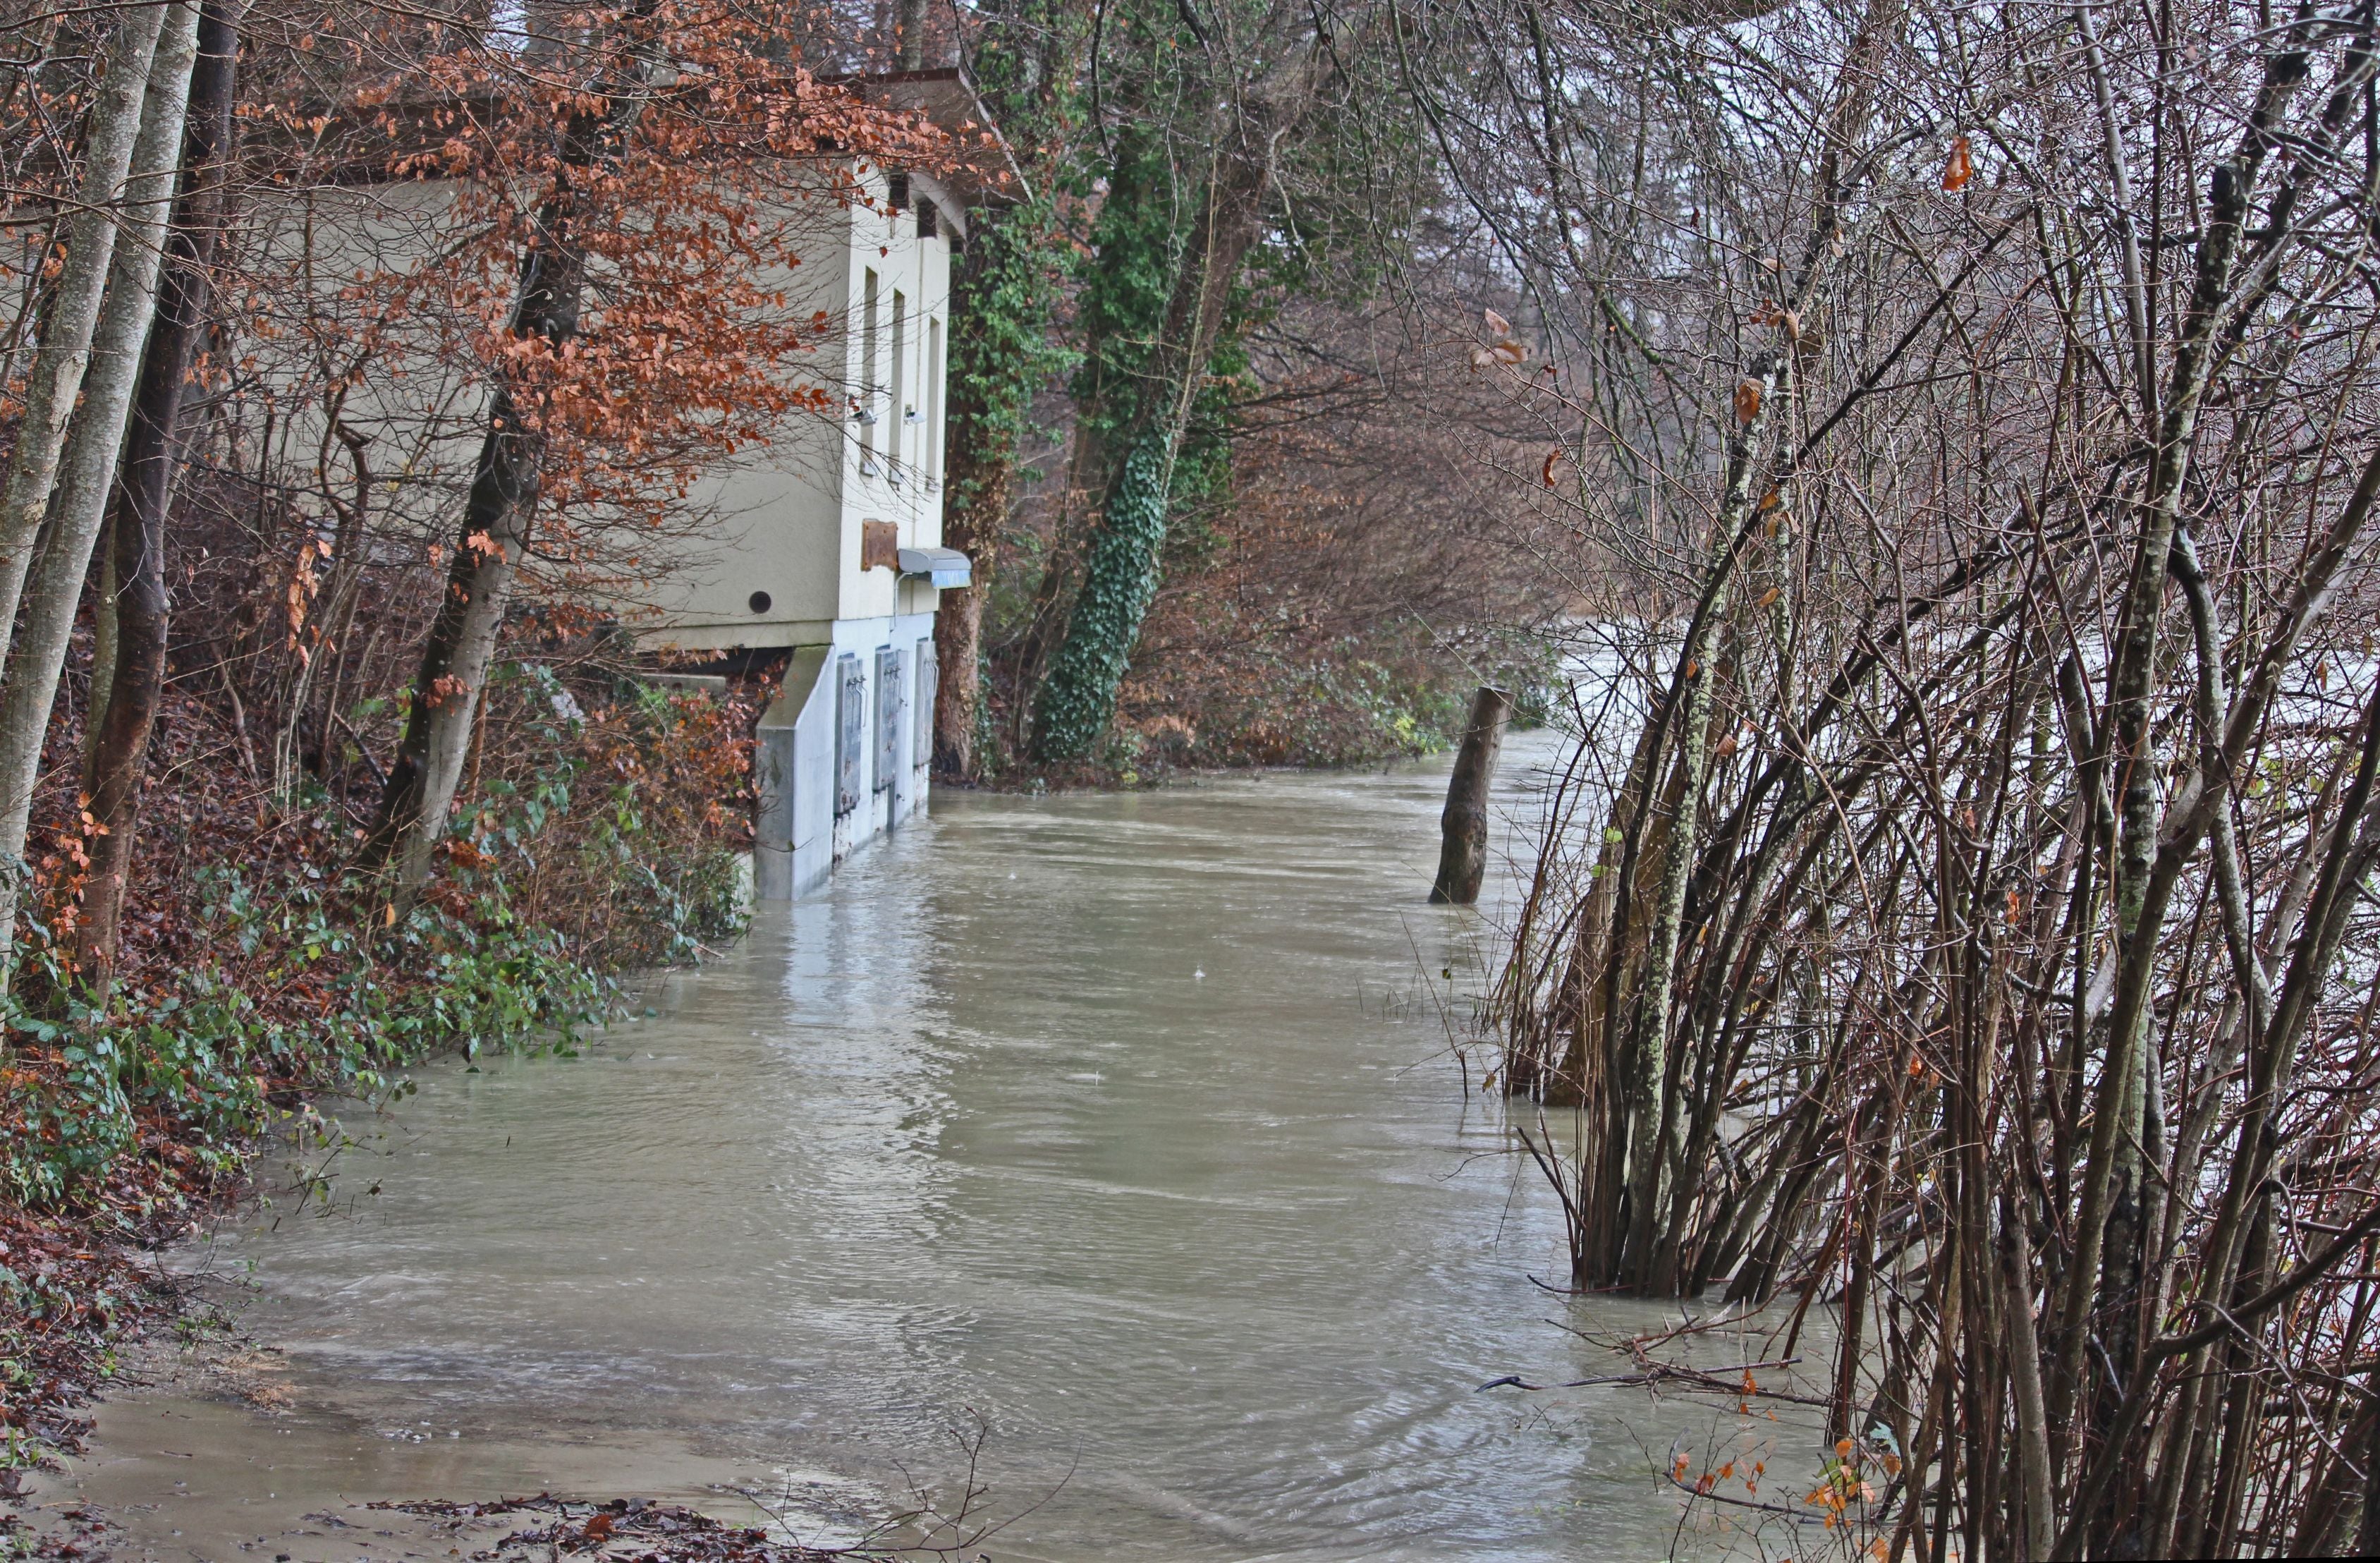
point(867, 376)
point(932, 460)
point(894, 446)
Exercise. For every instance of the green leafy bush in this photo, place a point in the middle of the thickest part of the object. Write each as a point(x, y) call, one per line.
point(299, 978)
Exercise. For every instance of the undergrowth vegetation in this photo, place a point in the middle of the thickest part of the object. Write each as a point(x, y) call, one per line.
point(602, 838)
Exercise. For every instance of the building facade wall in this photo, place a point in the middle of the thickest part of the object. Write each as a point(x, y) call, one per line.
point(784, 560)
point(769, 553)
point(846, 751)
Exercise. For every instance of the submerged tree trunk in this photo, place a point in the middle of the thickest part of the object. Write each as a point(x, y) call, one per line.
point(144, 488)
point(120, 381)
point(1462, 854)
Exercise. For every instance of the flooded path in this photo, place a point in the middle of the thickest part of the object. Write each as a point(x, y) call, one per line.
point(1125, 1124)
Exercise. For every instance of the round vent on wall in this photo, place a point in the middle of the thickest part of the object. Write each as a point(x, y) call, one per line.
point(760, 602)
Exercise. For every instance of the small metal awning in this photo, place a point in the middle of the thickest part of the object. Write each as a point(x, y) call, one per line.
point(943, 566)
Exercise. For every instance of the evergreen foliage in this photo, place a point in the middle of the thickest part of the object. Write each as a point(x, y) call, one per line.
point(1008, 290)
point(1078, 697)
point(1137, 244)
point(1015, 270)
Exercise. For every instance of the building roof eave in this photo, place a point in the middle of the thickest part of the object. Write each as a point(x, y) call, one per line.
point(950, 101)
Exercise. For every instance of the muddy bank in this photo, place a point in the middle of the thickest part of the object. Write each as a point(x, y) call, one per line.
point(208, 1446)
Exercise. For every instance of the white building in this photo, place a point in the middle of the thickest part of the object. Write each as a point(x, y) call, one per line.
point(837, 553)
point(826, 543)
point(832, 545)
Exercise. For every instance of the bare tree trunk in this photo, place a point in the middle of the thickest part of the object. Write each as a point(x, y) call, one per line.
point(462, 642)
point(2099, 946)
point(2367, 1532)
point(2024, 1372)
point(2112, 1228)
point(71, 316)
point(913, 34)
point(144, 488)
point(102, 647)
point(1651, 1107)
point(87, 467)
point(958, 652)
point(495, 523)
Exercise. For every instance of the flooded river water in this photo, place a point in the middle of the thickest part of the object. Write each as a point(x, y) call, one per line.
point(1121, 1130)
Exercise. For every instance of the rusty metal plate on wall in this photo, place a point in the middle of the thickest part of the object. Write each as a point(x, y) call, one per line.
point(880, 544)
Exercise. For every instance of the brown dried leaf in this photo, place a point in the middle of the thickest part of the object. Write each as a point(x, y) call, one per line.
point(1961, 166)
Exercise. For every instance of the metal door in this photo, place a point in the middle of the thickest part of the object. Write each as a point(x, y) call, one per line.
point(888, 717)
point(850, 732)
point(930, 673)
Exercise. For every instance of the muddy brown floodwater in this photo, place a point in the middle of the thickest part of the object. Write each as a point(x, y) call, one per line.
point(1122, 1129)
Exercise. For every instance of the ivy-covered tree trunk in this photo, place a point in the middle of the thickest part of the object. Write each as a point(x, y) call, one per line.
point(1002, 350)
point(1119, 579)
point(1120, 320)
point(1077, 700)
point(1263, 87)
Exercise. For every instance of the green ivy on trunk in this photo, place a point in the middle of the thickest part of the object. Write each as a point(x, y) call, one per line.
point(1119, 579)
